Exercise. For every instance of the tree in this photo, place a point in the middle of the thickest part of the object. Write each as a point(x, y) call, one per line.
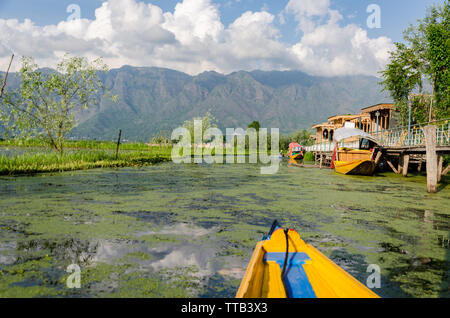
point(46, 101)
point(424, 57)
point(207, 121)
point(303, 137)
point(438, 37)
point(162, 137)
point(398, 79)
point(255, 124)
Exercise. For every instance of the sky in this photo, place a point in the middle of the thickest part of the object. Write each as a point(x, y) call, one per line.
point(319, 37)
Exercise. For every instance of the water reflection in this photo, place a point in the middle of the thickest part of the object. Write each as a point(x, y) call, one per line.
point(208, 218)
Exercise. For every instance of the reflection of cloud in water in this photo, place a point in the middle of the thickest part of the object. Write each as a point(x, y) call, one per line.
point(8, 247)
point(163, 256)
point(109, 250)
point(182, 229)
point(7, 259)
point(235, 272)
point(202, 258)
point(187, 256)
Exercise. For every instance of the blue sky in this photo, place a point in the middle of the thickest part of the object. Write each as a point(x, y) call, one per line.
point(396, 15)
point(320, 37)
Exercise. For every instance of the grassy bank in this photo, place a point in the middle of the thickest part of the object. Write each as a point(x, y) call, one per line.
point(34, 155)
point(78, 160)
point(77, 144)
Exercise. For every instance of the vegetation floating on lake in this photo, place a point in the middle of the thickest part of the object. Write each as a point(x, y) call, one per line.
point(189, 230)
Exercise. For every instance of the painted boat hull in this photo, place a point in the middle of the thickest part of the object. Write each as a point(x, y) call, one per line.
point(296, 156)
point(308, 274)
point(355, 167)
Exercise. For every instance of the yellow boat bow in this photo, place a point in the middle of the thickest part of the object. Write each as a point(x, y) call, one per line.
point(303, 272)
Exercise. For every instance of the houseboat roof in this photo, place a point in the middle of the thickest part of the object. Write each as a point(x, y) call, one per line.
point(376, 107)
point(347, 132)
point(323, 125)
point(346, 117)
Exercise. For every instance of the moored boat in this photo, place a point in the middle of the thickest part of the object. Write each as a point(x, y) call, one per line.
point(284, 266)
point(353, 161)
point(295, 151)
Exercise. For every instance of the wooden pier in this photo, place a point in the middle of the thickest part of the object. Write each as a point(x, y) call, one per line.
point(403, 149)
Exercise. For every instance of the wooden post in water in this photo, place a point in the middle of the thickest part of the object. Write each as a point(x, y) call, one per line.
point(430, 145)
point(378, 157)
point(439, 167)
point(392, 166)
point(118, 143)
point(419, 166)
point(445, 171)
point(400, 164)
point(405, 165)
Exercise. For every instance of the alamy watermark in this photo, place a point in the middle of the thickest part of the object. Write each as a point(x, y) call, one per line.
point(374, 19)
point(74, 279)
point(75, 11)
point(238, 142)
point(374, 279)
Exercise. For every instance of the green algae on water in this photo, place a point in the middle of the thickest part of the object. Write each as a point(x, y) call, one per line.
point(188, 230)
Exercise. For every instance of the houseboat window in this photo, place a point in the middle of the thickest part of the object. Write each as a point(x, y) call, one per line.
point(364, 144)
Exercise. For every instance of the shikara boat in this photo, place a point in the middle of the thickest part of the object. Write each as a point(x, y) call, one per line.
point(295, 151)
point(284, 266)
point(353, 161)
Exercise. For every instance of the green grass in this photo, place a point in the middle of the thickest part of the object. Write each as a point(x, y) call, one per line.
point(309, 156)
point(77, 144)
point(79, 160)
point(85, 154)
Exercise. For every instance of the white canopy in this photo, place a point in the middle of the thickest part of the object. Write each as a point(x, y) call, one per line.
point(344, 133)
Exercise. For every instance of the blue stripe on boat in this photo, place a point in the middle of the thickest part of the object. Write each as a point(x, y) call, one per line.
point(296, 280)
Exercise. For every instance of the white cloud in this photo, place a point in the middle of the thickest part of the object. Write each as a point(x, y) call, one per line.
point(194, 20)
point(327, 48)
point(193, 39)
point(308, 8)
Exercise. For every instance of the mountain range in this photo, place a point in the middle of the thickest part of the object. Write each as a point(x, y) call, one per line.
point(151, 100)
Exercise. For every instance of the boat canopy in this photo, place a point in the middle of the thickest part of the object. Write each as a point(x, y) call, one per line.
point(345, 132)
point(293, 145)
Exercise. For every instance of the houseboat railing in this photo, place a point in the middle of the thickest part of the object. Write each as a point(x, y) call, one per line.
point(404, 136)
point(413, 136)
point(329, 146)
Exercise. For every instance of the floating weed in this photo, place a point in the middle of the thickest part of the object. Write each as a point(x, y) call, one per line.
point(136, 225)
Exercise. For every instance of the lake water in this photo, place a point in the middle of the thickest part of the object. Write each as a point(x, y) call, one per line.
point(189, 230)
point(14, 151)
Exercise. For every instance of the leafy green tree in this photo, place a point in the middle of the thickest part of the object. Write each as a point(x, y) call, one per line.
point(285, 140)
point(207, 121)
point(255, 124)
point(438, 37)
point(46, 102)
point(303, 137)
point(398, 79)
point(162, 138)
point(424, 57)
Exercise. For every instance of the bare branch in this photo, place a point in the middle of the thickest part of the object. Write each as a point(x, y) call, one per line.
point(6, 76)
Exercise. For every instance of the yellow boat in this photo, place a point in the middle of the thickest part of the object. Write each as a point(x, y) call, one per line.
point(355, 162)
point(284, 266)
